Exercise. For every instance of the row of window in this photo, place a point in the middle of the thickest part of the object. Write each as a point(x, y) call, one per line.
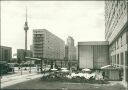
point(117, 59)
point(38, 35)
point(117, 44)
point(112, 15)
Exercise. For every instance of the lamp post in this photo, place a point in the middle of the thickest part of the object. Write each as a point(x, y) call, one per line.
point(30, 65)
point(0, 59)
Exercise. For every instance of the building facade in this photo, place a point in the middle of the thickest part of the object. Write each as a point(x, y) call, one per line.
point(93, 55)
point(21, 54)
point(47, 45)
point(116, 32)
point(66, 52)
point(31, 49)
point(70, 54)
point(6, 53)
point(70, 49)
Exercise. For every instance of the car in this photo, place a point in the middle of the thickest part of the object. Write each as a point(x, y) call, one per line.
point(6, 68)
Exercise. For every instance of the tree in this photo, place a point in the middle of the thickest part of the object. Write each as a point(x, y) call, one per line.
point(19, 61)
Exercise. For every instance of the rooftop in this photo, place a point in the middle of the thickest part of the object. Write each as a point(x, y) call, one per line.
point(94, 43)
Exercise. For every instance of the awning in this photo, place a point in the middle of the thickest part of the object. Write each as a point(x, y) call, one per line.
point(110, 67)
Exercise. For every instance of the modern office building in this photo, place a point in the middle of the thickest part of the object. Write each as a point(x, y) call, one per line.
point(93, 54)
point(70, 49)
point(21, 54)
point(47, 46)
point(116, 32)
point(70, 53)
point(5, 53)
point(70, 41)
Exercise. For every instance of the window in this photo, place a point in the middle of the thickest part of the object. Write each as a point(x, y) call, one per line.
point(127, 37)
point(114, 59)
point(117, 58)
point(117, 44)
point(122, 59)
point(121, 41)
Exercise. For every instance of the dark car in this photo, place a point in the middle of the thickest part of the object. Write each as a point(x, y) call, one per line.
point(10, 67)
point(5, 68)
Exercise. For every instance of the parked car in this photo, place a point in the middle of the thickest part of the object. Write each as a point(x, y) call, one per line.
point(6, 68)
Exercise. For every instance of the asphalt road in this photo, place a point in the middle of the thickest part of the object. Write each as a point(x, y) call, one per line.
point(38, 84)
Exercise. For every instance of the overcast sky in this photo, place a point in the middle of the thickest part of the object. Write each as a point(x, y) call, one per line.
point(83, 20)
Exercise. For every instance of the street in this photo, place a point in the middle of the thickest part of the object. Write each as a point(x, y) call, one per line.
point(38, 84)
point(16, 77)
point(33, 81)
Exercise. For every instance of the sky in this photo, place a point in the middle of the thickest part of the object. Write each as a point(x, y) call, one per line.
point(83, 20)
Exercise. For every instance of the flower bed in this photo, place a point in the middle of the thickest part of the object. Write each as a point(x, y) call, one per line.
point(66, 77)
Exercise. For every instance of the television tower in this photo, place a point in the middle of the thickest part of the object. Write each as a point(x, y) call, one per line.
point(26, 29)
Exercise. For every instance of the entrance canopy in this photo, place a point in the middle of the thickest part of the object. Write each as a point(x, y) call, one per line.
point(108, 67)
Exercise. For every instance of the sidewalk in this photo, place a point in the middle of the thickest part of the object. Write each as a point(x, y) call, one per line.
point(18, 78)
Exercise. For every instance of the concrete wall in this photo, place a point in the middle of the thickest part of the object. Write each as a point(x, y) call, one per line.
point(100, 55)
point(93, 56)
point(113, 75)
point(85, 56)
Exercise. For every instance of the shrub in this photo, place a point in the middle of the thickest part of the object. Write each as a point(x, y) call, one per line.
point(59, 76)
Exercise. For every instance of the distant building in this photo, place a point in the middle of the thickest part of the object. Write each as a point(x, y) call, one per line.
point(70, 53)
point(77, 52)
point(93, 55)
point(47, 46)
point(66, 52)
point(5, 53)
point(70, 49)
point(21, 54)
point(70, 41)
point(31, 49)
point(116, 32)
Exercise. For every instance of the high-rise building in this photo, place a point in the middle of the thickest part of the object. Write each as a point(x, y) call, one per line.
point(116, 32)
point(70, 41)
point(70, 49)
point(93, 54)
point(5, 53)
point(47, 45)
point(70, 53)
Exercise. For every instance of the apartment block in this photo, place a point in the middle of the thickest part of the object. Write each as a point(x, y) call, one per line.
point(47, 45)
point(116, 32)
